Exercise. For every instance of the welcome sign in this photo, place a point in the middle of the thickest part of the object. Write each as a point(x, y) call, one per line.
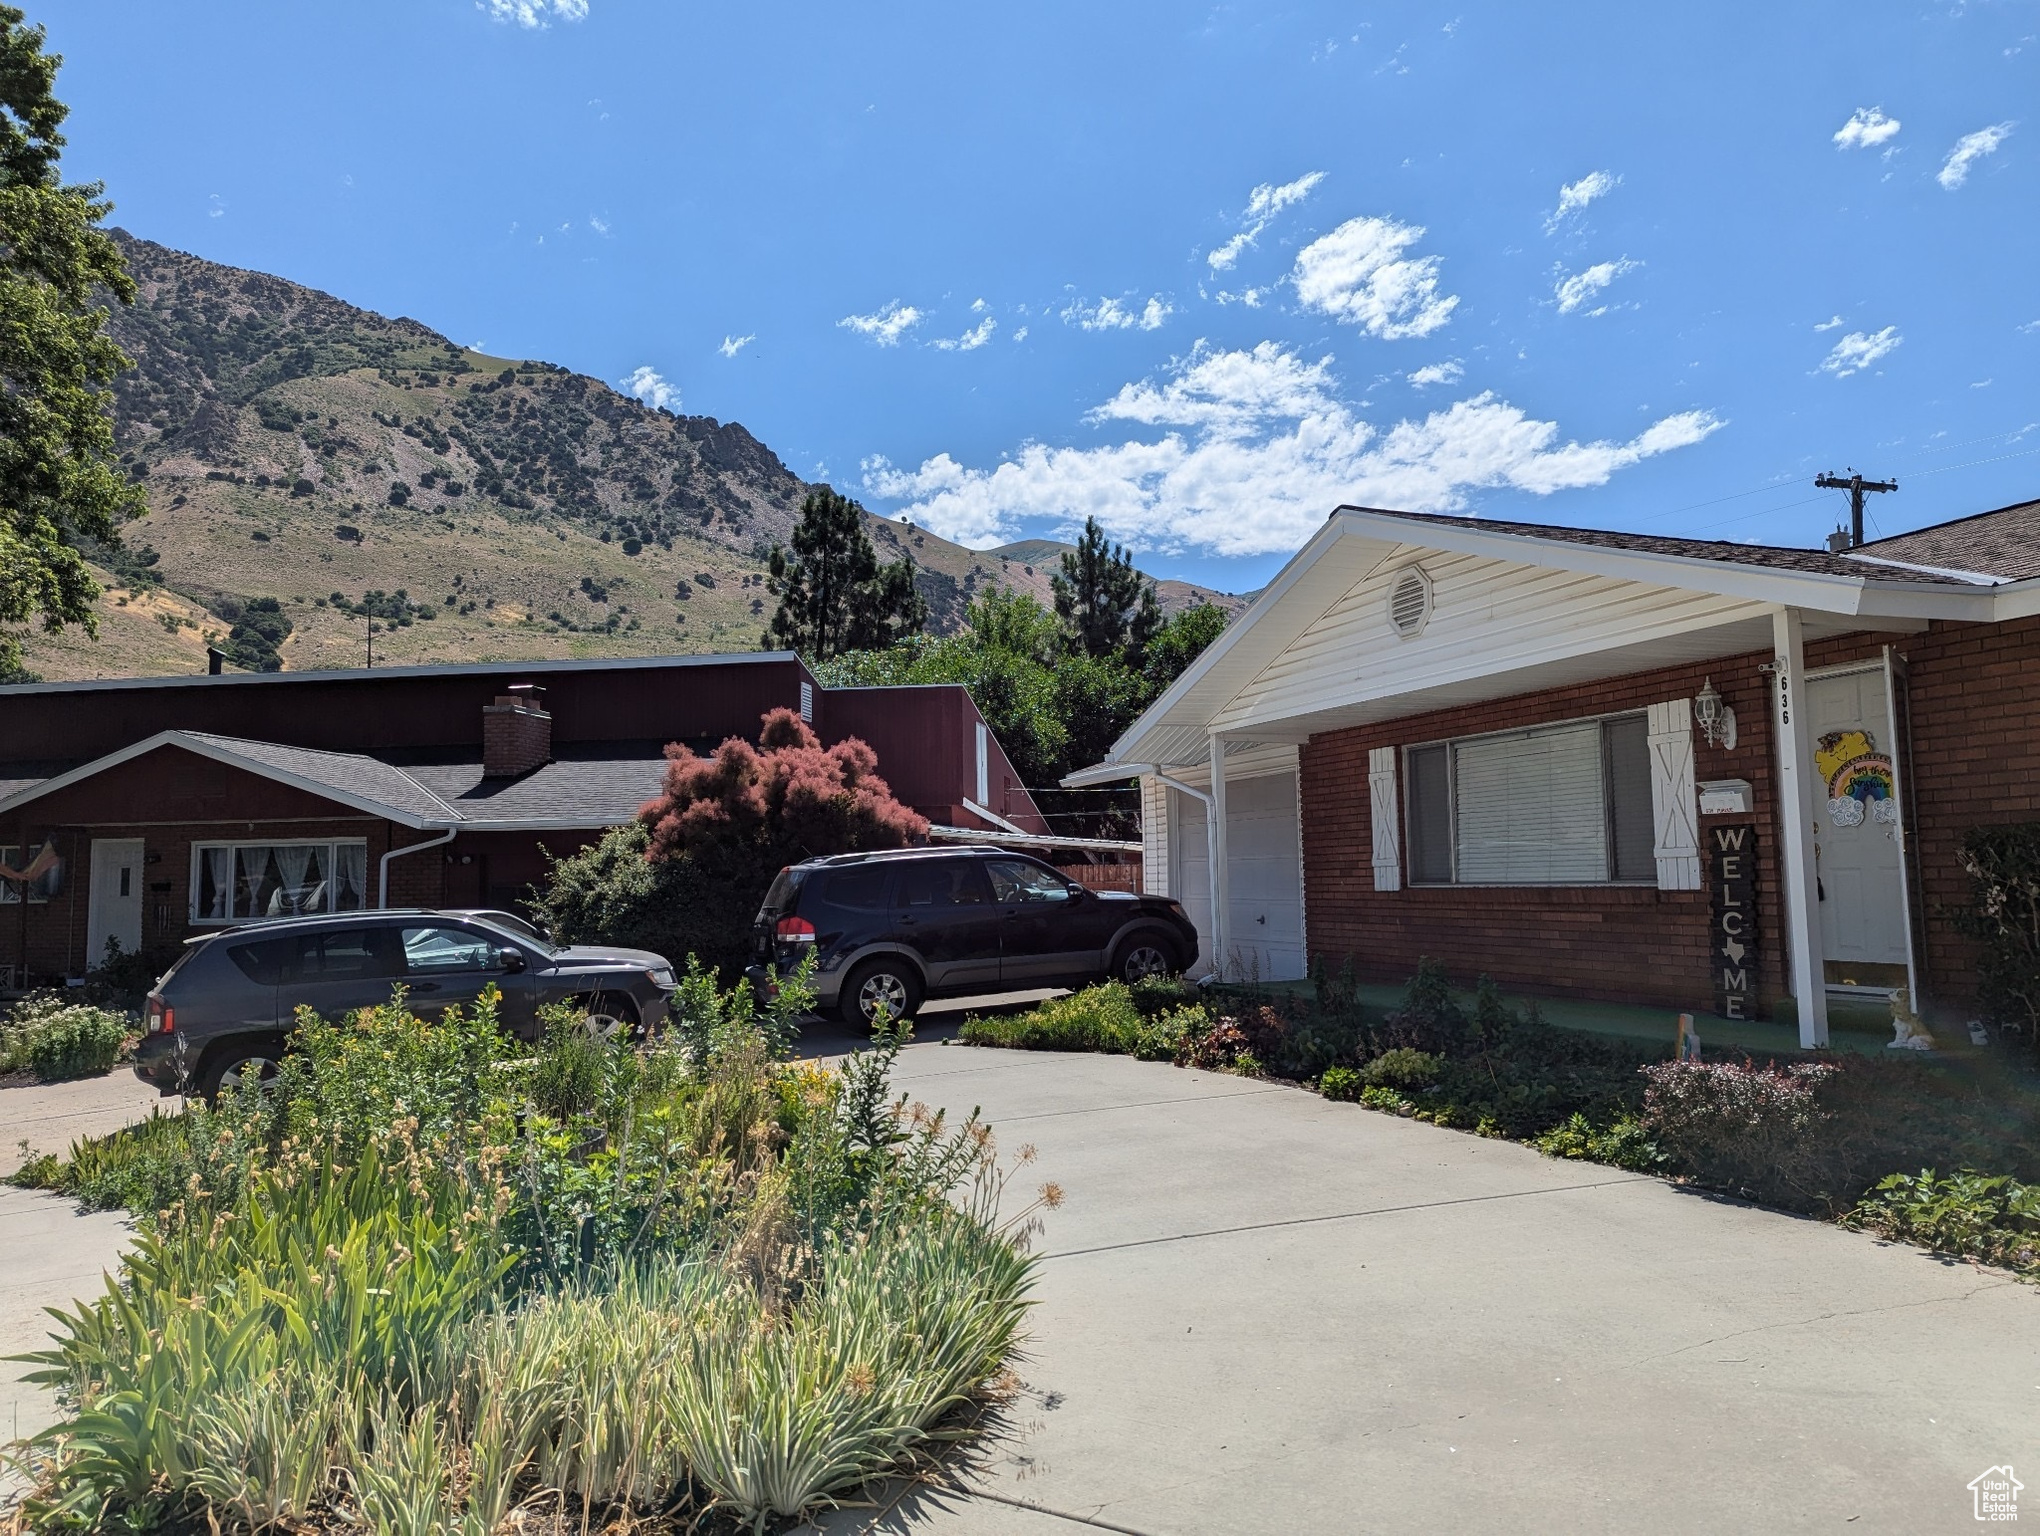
point(1732, 881)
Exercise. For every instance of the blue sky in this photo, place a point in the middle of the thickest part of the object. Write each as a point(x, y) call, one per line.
point(1202, 270)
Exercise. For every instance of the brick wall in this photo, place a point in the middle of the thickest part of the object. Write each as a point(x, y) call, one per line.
point(1621, 943)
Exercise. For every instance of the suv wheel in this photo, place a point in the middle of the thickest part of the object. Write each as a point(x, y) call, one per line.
point(892, 985)
point(232, 1065)
point(1142, 957)
point(611, 1017)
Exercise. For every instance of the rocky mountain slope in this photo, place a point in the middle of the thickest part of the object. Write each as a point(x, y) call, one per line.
point(315, 470)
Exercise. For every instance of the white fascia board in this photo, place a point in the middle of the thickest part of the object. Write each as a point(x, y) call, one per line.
point(1105, 773)
point(1851, 595)
point(2016, 600)
point(190, 743)
point(1237, 634)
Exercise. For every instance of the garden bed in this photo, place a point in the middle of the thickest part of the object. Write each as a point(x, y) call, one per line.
point(431, 1282)
point(1880, 1142)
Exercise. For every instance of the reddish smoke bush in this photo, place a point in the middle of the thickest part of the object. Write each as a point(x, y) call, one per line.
point(747, 810)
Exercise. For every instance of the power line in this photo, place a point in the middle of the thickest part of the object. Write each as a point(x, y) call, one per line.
point(1856, 486)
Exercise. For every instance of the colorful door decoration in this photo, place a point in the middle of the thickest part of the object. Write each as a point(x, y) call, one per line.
point(1859, 780)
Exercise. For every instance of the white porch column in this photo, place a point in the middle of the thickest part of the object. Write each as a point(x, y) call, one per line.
point(1798, 785)
point(1214, 823)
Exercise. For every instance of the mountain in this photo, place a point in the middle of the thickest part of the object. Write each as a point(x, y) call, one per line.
point(314, 469)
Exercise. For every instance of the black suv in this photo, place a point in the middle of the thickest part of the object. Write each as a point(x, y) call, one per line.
point(221, 1013)
point(892, 929)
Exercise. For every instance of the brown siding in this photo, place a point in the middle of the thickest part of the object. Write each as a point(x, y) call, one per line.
point(1622, 943)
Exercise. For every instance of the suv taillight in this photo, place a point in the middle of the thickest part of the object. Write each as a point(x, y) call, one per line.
point(794, 930)
point(160, 1016)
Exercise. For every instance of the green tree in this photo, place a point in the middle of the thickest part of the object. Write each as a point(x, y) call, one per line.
point(1183, 637)
point(833, 594)
point(1106, 606)
point(58, 481)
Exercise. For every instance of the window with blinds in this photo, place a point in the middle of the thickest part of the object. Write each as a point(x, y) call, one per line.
point(1560, 805)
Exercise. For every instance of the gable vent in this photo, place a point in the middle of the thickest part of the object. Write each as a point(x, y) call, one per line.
point(1409, 603)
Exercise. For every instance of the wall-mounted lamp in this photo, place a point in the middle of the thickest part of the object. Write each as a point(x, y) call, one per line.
point(1717, 720)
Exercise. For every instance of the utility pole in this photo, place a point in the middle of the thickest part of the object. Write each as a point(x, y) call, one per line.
point(1855, 485)
point(371, 640)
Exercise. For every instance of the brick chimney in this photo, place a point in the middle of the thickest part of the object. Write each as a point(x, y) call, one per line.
point(516, 733)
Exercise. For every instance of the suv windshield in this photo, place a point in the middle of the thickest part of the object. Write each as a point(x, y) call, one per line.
point(524, 933)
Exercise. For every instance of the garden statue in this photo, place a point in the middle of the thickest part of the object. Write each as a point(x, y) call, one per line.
point(1908, 1033)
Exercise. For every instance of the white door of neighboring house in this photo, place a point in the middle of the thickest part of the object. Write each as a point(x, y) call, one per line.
point(1264, 875)
point(1858, 850)
point(114, 910)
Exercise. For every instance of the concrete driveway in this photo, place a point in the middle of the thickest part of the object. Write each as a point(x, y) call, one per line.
point(1260, 1312)
point(1263, 1312)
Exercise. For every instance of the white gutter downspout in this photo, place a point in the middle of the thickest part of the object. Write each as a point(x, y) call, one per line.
point(382, 889)
point(1214, 844)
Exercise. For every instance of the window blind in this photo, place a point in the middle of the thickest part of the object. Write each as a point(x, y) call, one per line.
point(1530, 808)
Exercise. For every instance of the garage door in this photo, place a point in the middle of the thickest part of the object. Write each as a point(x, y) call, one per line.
point(1264, 871)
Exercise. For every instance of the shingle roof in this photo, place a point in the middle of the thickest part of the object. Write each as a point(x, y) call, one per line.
point(2004, 544)
point(590, 791)
point(1813, 561)
point(350, 773)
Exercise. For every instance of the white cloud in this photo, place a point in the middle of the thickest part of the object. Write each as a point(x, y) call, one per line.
point(1969, 148)
point(1835, 323)
point(215, 208)
point(648, 386)
point(1572, 292)
point(1021, 334)
point(1866, 128)
point(732, 345)
point(1255, 447)
point(1859, 349)
point(1263, 204)
point(1251, 297)
point(1358, 274)
point(534, 13)
point(598, 224)
point(884, 326)
point(1111, 315)
point(1450, 372)
point(971, 339)
point(1573, 196)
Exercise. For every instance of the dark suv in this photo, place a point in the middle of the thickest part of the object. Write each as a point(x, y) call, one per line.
point(892, 929)
point(221, 1013)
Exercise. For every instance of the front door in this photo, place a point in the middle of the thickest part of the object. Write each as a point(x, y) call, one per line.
point(1858, 846)
point(115, 910)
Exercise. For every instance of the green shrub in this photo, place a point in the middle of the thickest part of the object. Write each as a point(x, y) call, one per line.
point(1996, 1220)
point(1624, 1144)
point(56, 1039)
point(1164, 994)
point(1427, 1019)
point(1402, 1068)
point(2003, 915)
point(1340, 1083)
point(395, 1292)
point(1101, 1018)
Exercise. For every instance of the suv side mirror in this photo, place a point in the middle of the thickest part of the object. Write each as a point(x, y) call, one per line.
point(510, 959)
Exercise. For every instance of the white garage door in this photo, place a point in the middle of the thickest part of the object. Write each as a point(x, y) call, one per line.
point(1264, 871)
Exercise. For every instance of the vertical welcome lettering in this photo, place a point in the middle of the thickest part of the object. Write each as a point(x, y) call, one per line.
point(1732, 932)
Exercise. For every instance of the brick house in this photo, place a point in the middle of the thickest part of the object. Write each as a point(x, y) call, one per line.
point(145, 810)
point(1692, 774)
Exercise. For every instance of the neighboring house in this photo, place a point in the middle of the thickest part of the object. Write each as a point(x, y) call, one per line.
point(146, 810)
point(1509, 747)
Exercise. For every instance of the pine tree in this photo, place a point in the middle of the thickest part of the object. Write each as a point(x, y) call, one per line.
point(1106, 606)
point(834, 596)
point(58, 480)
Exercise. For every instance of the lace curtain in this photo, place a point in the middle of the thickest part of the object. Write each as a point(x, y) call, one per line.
point(291, 897)
point(215, 882)
point(350, 877)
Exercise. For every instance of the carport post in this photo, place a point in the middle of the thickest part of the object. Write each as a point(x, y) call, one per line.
point(1798, 786)
point(1214, 824)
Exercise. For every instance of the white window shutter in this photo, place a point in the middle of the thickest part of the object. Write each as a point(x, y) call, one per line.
point(1386, 819)
point(1673, 800)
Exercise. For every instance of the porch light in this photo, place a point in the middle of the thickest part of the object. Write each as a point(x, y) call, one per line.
point(1717, 721)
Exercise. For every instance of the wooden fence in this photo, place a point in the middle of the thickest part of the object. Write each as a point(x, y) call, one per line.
point(1105, 877)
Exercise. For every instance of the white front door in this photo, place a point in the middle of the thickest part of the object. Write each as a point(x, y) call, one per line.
point(115, 909)
point(1857, 842)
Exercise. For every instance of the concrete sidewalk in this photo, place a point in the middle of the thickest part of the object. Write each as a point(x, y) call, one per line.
point(1262, 1312)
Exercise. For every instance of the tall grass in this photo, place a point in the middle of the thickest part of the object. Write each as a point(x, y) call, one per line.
point(706, 1286)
